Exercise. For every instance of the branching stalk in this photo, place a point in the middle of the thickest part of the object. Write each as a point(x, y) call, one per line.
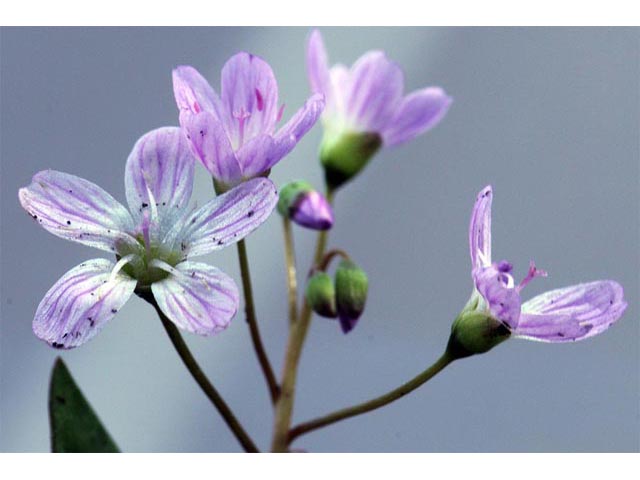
point(201, 379)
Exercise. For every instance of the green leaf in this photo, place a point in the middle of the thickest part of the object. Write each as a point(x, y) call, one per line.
point(74, 425)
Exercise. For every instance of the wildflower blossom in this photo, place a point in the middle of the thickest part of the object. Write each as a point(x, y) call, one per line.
point(563, 315)
point(234, 135)
point(366, 108)
point(153, 242)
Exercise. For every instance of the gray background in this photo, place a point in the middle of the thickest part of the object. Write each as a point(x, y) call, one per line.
point(550, 117)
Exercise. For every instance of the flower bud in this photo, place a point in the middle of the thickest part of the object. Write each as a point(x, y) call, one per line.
point(305, 206)
point(345, 154)
point(475, 330)
point(351, 293)
point(321, 295)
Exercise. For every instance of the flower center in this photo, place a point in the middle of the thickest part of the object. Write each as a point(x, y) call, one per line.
point(149, 260)
point(149, 263)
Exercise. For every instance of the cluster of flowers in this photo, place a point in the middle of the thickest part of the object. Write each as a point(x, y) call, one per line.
point(234, 136)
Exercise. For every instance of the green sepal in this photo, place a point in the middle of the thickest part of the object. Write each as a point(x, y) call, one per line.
point(290, 194)
point(220, 187)
point(75, 427)
point(475, 332)
point(321, 295)
point(345, 154)
point(352, 286)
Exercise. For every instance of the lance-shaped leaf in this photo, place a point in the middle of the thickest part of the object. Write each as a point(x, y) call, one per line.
point(75, 427)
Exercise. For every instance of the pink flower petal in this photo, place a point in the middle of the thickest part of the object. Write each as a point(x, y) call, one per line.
point(227, 218)
point(418, 112)
point(480, 229)
point(193, 93)
point(160, 164)
point(78, 210)
point(211, 146)
point(198, 298)
point(375, 91)
point(572, 313)
point(291, 133)
point(249, 94)
point(76, 308)
point(318, 67)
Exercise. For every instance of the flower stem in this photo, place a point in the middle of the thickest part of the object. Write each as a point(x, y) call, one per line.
point(326, 259)
point(207, 387)
point(297, 335)
point(378, 402)
point(321, 245)
point(290, 260)
point(284, 405)
point(250, 311)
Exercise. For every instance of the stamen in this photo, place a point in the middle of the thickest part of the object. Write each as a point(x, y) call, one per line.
point(119, 264)
point(179, 231)
point(259, 100)
point(506, 279)
point(280, 112)
point(190, 100)
point(150, 221)
point(155, 218)
point(146, 224)
point(241, 115)
point(504, 266)
point(163, 266)
point(531, 274)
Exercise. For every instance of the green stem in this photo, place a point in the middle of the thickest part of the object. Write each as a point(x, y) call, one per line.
point(250, 311)
point(321, 246)
point(297, 335)
point(284, 405)
point(202, 380)
point(326, 259)
point(378, 402)
point(290, 260)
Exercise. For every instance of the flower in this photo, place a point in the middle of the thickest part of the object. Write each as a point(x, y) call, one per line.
point(153, 242)
point(305, 206)
point(563, 315)
point(234, 135)
point(366, 108)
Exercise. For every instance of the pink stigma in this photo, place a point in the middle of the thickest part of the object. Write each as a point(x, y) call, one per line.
point(531, 274)
point(280, 112)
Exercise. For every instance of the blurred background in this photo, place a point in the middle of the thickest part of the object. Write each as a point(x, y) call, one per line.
point(548, 116)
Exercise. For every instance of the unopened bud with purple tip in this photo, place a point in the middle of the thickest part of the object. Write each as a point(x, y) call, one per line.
point(351, 293)
point(305, 206)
